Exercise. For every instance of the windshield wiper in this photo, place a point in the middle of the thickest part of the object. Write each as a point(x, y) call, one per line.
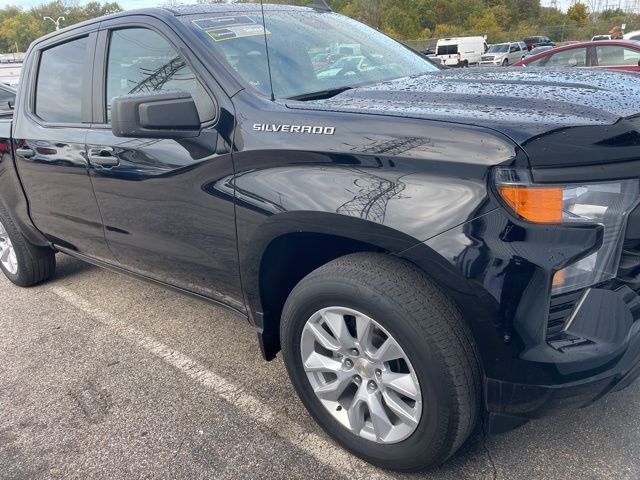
point(321, 95)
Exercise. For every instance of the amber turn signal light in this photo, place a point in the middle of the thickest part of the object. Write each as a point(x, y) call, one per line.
point(534, 204)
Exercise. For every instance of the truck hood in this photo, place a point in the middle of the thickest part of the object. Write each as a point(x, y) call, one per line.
point(522, 103)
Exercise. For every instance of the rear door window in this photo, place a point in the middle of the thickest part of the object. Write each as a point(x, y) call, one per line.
point(61, 80)
point(616, 56)
point(575, 57)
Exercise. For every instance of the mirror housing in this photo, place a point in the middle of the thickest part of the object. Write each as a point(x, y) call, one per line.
point(162, 114)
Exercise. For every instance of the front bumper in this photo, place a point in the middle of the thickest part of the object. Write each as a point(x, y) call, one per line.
point(490, 63)
point(539, 353)
point(602, 342)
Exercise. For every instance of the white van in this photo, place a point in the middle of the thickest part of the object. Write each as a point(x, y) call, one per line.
point(461, 51)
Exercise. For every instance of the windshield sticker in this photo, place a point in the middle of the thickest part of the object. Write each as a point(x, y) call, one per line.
point(240, 31)
point(231, 27)
point(224, 21)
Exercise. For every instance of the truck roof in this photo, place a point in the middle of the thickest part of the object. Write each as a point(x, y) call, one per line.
point(455, 39)
point(199, 9)
point(182, 10)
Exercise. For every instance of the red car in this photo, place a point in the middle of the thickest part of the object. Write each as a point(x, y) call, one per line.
point(609, 54)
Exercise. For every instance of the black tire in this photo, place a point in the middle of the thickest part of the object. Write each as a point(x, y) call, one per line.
point(505, 63)
point(465, 64)
point(35, 264)
point(428, 327)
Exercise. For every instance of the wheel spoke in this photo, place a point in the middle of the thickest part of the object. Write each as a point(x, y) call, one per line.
point(338, 327)
point(356, 411)
point(403, 383)
point(323, 337)
point(317, 362)
point(364, 330)
point(333, 390)
point(13, 261)
point(381, 423)
point(405, 412)
point(388, 351)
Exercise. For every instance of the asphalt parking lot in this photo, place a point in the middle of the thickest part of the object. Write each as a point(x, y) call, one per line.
point(102, 376)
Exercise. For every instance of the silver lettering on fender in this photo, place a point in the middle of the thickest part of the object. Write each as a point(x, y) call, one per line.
point(301, 129)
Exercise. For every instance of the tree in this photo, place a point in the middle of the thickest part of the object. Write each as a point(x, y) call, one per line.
point(488, 25)
point(612, 14)
point(578, 13)
point(21, 27)
point(20, 30)
point(367, 11)
point(400, 22)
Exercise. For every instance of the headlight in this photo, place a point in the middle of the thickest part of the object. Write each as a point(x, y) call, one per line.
point(605, 203)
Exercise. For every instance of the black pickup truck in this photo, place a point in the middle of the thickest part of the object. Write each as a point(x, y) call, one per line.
point(427, 247)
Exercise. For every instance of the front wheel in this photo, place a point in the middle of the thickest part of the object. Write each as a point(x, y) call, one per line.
point(23, 263)
point(505, 63)
point(382, 361)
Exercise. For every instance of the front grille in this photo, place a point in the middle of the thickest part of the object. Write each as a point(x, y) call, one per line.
point(560, 310)
point(487, 59)
point(627, 282)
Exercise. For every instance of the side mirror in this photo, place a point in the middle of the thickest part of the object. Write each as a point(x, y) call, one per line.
point(162, 114)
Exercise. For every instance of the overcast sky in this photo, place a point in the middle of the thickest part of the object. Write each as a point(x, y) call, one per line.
point(129, 4)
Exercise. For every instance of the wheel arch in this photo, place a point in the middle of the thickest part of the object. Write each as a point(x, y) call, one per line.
point(289, 246)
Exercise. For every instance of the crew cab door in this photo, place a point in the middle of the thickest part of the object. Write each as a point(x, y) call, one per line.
point(51, 121)
point(167, 209)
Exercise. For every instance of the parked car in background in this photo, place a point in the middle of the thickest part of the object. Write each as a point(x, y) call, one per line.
point(608, 54)
point(537, 51)
point(502, 54)
point(599, 38)
point(538, 41)
point(566, 43)
point(10, 73)
point(430, 53)
point(632, 35)
point(461, 51)
point(7, 100)
point(11, 57)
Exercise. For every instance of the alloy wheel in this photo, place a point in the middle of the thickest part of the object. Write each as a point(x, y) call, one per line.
point(361, 375)
point(7, 252)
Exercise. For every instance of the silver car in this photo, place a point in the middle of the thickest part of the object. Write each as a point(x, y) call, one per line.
point(502, 54)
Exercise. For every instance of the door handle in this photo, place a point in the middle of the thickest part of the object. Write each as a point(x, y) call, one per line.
point(105, 162)
point(25, 152)
point(104, 158)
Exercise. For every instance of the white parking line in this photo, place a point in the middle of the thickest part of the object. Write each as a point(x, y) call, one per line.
point(324, 451)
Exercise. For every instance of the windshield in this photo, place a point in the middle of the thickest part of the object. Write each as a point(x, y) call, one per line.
point(498, 48)
point(309, 51)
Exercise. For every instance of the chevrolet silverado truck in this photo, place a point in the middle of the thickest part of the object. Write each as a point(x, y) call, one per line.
point(428, 248)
